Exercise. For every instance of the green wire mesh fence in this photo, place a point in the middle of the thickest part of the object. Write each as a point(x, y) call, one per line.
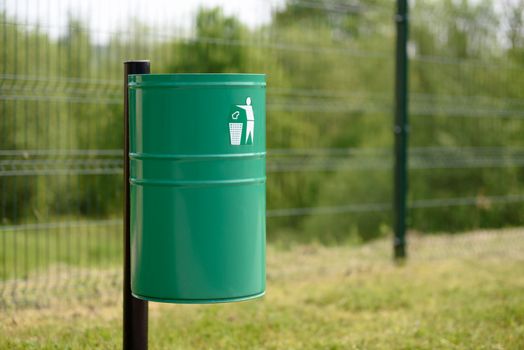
point(330, 67)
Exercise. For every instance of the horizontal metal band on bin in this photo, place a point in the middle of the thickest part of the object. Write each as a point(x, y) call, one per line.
point(187, 183)
point(188, 157)
point(196, 157)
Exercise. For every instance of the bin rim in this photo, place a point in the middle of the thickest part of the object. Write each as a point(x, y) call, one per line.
point(190, 80)
point(199, 74)
point(196, 79)
point(180, 76)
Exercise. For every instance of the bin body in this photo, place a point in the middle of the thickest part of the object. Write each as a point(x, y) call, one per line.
point(197, 187)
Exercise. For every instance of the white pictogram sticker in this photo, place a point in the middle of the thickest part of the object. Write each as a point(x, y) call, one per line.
point(237, 122)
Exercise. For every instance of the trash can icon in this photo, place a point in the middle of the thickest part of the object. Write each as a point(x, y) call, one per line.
point(242, 115)
point(235, 133)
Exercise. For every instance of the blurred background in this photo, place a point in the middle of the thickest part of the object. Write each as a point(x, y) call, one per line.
point(331, 69)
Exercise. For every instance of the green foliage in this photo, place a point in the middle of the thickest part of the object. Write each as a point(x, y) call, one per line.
point(206, 53)
point(330, 70)
point(462, 78)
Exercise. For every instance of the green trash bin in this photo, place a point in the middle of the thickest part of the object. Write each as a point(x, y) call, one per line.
point(197, 187)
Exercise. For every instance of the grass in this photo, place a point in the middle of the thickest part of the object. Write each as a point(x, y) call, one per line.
point(454, 292)
point(80, 243)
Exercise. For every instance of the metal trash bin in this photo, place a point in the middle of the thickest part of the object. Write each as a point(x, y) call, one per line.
point(197, 187)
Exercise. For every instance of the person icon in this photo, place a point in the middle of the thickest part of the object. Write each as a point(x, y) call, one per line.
point(250, 117)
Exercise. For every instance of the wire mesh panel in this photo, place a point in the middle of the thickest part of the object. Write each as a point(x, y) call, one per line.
point(60, 153)
point(330, 67)
point(467, 105)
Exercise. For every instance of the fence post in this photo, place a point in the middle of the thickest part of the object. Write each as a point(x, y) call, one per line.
point(401, 130)
point(135, 310)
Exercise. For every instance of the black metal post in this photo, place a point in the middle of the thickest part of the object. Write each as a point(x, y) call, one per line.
point(135, 310)
point(401, 130)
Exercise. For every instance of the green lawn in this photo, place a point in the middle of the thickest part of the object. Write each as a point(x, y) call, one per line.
point(76, 243)
point(465, 292)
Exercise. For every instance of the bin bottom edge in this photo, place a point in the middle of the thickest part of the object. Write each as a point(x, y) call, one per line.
point(199, 301)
